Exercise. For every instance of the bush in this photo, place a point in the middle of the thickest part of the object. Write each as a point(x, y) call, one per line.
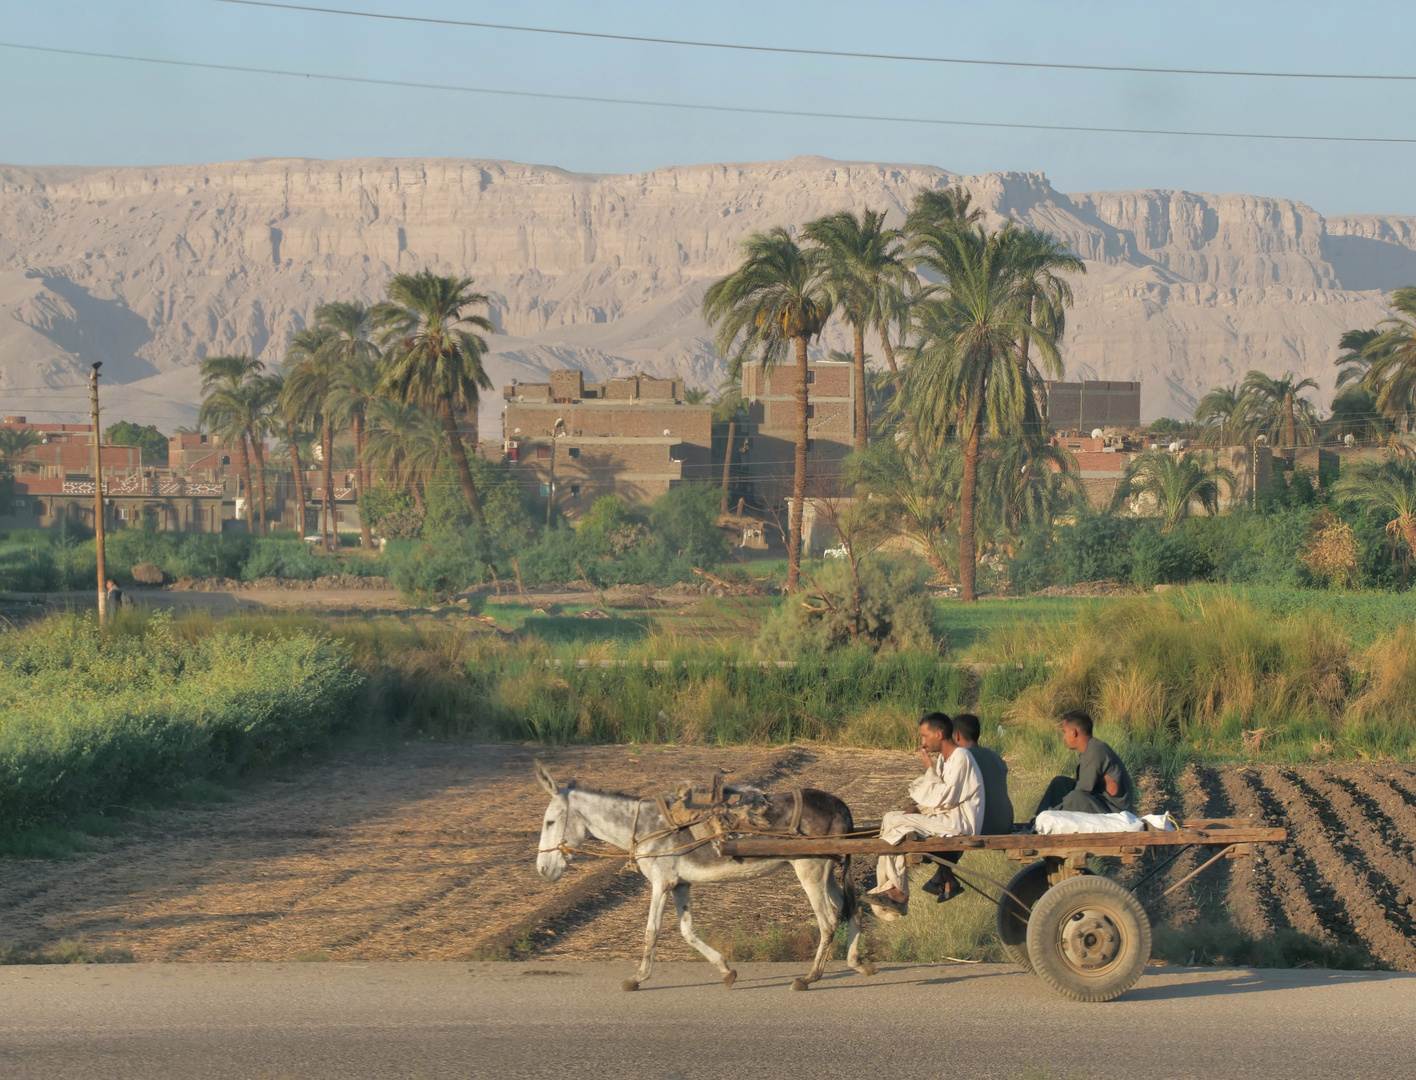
point(1163, 558)
point(380, 503)
point(289, 559)
point(435, 572)
point(894, 612)
point(90, 719)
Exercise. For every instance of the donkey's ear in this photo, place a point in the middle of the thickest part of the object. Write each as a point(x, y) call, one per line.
point(545, 779)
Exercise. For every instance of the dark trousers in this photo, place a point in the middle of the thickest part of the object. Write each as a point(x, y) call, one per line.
point(1062, 794)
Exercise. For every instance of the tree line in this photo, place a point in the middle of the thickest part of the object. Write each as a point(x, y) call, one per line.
point(396, 375)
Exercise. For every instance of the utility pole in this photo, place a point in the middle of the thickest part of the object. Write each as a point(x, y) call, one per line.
point(98, 496)
point(557, 431)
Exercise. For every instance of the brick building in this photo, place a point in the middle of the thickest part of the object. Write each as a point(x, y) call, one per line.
point(1102, 463)
point(54, 482)
point(633, 437)
point(1087, 405)
point(769, 460)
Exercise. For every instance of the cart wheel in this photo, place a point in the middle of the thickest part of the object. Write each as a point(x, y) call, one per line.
point(1028, 885)
point(1089, 939)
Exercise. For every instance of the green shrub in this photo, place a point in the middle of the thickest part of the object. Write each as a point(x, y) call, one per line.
point(428, 571)
point(892, 611)
point(289, 559)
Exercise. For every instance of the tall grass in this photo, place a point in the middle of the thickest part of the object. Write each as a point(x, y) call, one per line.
point(91, 718)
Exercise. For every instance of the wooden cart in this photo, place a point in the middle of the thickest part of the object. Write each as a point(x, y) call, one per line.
point(1086, 936)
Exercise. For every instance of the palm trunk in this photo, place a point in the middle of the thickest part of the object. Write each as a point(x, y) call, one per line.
point(260, 479)
point(464, 470)
point(327, 448)
point(299, 476)
point(361, 480)
point(250, 492)
point(728, 463)
point(862, 397)
point(798, 507)
point(1290, 425)
point(890, 354)
point(968, 491)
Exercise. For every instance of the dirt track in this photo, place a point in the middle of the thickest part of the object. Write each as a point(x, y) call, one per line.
point(424, 851)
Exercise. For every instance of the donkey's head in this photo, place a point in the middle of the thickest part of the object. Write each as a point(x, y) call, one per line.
point(562, 826)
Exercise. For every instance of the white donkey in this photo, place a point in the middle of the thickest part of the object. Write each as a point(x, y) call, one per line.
point(637, 825)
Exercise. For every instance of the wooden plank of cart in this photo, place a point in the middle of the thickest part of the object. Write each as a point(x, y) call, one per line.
point(1085, 935)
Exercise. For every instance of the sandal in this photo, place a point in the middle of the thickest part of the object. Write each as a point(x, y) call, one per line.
point(945, 895)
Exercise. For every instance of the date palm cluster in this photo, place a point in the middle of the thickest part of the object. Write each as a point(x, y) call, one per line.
point(969, 318)
point(397, 376)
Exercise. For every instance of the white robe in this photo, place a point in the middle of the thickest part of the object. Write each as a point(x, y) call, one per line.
point(950, 797)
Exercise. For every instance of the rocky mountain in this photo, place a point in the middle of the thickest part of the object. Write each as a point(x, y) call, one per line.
point(150, 269)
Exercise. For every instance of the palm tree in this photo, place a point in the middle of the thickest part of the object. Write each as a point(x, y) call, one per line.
point(695, 395)
point(356, 382)
point(236, 405)
point(777, 297)
point(1392, 356)
point(1041, 260)
point(14, 442)
point(1355, 413)
point(1220, 409)
point(1276, 410)
point(966, 373)
point(1174, 484)
point(1355, 360)
point(1028, 481)
point(311, 374)
point(864, 273)
point(434, 362)
point(913, 493)
point(729, 408)
point(405, 444)
point(1384, 487)
point(283, 421)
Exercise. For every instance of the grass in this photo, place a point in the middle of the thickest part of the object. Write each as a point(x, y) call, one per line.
point(68, 951)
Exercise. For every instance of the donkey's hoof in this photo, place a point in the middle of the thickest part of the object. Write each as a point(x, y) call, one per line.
point(800, 984)
point(730, 978)
point(867, 968)
point(629, 984)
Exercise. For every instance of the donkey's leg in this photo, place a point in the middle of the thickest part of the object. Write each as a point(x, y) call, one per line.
point(685, 917)
point(651, 933)
point(837, 897)
point(813, 875)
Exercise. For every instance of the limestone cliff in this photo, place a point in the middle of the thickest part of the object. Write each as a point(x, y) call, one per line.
point(150, 269)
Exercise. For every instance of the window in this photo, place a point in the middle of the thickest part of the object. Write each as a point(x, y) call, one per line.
point(225, 459)
point(811, 412)
point(811, 378)
point(810, 445)
point(574, 451)
point(543, 451)
point(545, 490)
point(574, 490)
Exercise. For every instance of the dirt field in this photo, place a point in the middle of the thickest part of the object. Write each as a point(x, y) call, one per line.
point(424, 851)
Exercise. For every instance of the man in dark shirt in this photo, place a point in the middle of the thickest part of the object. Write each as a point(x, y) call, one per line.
point(997, 807)
point(1102, 784)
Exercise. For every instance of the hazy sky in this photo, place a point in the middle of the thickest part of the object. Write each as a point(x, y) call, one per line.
point(72, 110)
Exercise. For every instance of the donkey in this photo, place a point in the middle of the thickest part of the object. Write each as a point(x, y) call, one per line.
point(637, 826)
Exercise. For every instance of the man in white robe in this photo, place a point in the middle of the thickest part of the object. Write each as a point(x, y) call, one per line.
point(948, 802)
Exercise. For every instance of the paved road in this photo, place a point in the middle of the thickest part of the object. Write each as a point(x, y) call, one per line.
point(542, 1020)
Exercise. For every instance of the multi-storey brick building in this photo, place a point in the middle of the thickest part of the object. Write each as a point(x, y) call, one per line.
point(54, 482)
point(633, 437)
point(769, 460)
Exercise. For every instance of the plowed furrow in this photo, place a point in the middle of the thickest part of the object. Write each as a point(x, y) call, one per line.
point(1308, 905)
point(1254, 902)
point(1186, 904)
point(1392, 876)
point(1340, 863)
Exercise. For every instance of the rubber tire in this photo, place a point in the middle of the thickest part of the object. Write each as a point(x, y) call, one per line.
point(1028, 884)
point(1122, 909)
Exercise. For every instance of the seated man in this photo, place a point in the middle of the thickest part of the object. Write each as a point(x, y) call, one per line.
point(1102, 784)
point(997, 806)
point(949, 801)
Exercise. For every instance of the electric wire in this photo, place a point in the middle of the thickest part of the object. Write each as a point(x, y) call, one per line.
point(742, 110)
point(838, 53)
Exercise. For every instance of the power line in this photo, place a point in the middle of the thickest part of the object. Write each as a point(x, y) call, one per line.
point(841, 53)
point(698, 107)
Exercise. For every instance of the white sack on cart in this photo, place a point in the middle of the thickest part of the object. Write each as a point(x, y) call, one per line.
point(1051, 822)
